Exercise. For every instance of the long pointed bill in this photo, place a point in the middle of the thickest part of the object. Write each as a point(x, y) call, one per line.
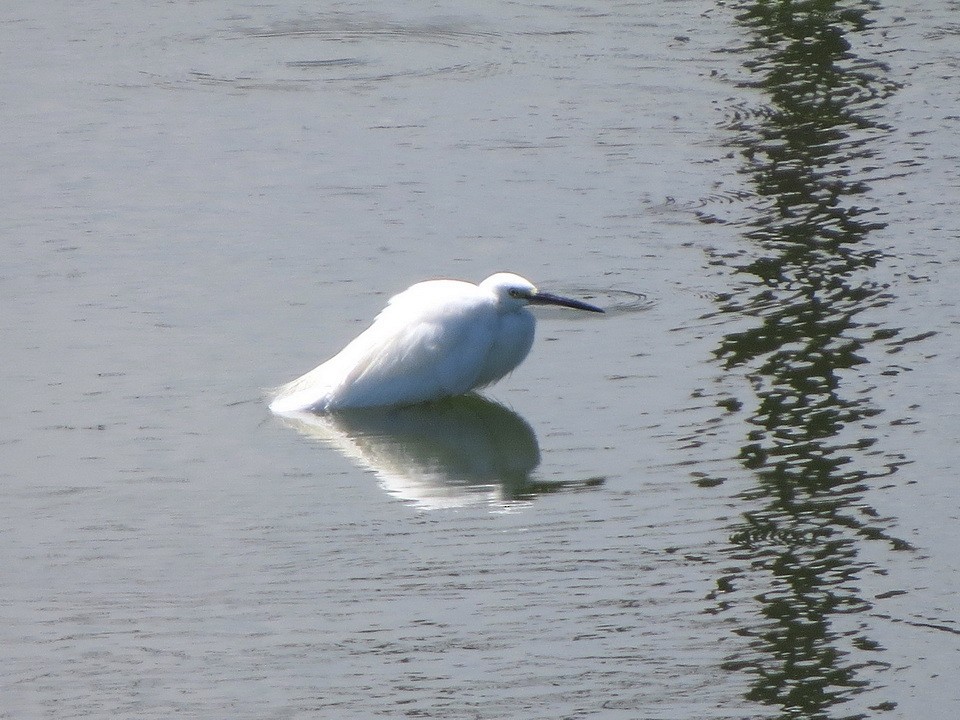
point(547, 299)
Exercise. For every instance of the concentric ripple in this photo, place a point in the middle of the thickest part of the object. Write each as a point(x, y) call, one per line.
point(345, 48)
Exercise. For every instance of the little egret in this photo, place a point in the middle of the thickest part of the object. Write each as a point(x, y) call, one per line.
point(435, 339)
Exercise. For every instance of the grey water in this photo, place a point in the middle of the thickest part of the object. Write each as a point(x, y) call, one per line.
point(733, 496)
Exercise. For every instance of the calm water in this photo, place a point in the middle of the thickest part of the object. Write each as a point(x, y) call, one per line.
point(734, 496)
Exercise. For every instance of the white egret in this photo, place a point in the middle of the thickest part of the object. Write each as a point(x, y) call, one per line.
point(435, 339)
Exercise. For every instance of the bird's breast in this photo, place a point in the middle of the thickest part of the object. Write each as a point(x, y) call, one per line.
point(511, 343)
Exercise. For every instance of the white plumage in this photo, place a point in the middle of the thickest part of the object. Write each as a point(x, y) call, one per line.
point(435, 339)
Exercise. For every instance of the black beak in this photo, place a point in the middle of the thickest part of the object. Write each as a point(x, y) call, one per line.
point(548, 299)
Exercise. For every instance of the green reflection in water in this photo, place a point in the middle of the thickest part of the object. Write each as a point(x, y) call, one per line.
point(811, 450)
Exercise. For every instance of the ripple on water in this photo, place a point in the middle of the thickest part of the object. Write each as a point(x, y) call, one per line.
point(617, 302)
point(344, 48)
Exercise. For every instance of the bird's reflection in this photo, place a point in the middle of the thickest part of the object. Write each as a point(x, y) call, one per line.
point(452, 453)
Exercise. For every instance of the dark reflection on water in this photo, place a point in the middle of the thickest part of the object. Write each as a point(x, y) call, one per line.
point(451, 453)
point(812, 451)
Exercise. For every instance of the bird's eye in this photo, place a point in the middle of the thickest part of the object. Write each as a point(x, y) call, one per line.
point(516, 293)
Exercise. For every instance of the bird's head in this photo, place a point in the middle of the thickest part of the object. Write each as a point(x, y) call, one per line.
point(513, 291)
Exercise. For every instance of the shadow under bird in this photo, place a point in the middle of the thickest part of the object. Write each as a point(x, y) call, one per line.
point(436, 339)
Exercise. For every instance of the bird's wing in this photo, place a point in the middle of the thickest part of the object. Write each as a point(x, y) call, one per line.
point(421, 347)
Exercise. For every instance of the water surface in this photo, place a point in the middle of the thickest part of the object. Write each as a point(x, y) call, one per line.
point(732, 496)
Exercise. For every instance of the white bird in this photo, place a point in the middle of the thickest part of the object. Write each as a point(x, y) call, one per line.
point(435, 339)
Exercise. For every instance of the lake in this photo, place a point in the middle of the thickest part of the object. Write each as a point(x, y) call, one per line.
point(732, 496)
